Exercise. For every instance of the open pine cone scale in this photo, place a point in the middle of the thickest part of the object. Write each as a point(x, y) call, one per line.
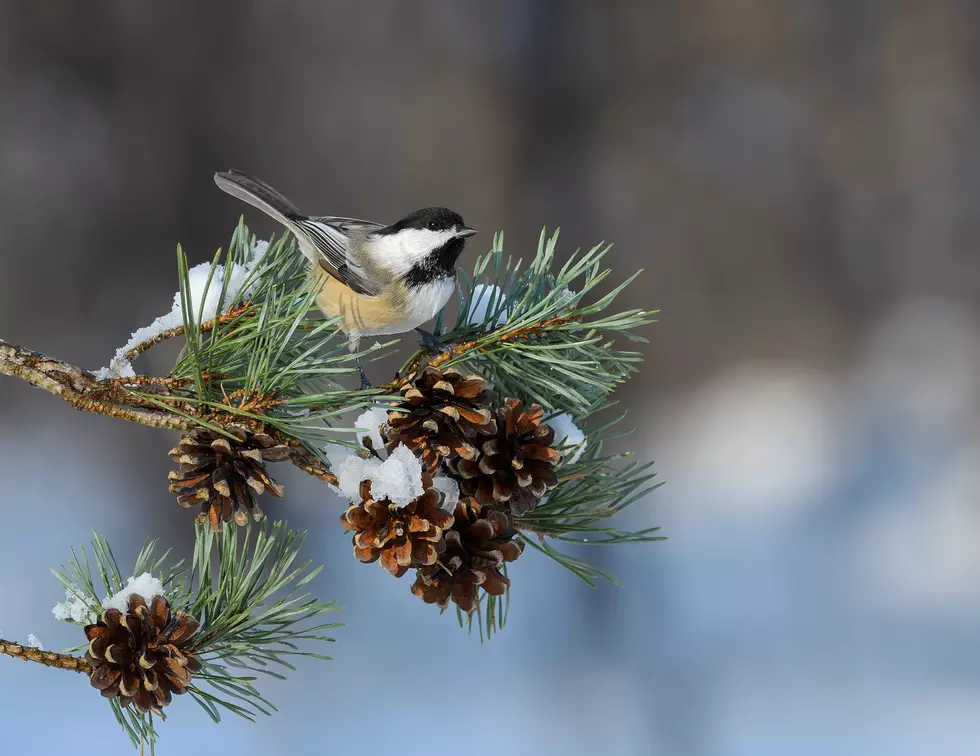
point(517, 464)
point(398, 537)
point(476, 548)
point(142, 656)
point(224, 475)
point(440, 414)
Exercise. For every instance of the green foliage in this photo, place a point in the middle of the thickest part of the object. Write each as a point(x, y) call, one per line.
point(593, 491)
point(572, 365)
point(275, 347)
point(549, 334)
point(490, 615)
point(245, 592)
point(570, 361)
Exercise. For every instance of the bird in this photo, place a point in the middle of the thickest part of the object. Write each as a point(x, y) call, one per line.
point(377, 279)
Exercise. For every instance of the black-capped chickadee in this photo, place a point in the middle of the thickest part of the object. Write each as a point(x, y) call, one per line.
point(378, 279)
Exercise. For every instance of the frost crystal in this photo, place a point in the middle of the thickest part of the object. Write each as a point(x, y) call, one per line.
point(565, 429)
point(399, 478)
point(565, 296)
point(73, 609)
point(487, 297)
point(371, 422)
point(351, 471)
point(145, 585)
point(34, 642)
point(258, 252)
point(120, 367)
point(450, 492)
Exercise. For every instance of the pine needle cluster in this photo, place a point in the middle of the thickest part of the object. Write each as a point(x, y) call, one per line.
point(243, 587)
point(545, 333)
point(495, 444)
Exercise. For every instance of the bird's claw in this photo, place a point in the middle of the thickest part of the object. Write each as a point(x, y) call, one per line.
point(365, 382)
point(431, 342)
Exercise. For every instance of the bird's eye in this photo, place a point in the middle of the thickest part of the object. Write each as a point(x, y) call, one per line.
point(433, 225)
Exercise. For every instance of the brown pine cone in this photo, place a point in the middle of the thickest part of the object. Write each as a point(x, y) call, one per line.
point(144, 656)
point(401, 537)
point(224, 475)
point(516, 463)
point(476, 549)
point(441, 413)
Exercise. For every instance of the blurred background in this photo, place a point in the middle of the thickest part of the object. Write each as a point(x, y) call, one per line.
point(799, 178)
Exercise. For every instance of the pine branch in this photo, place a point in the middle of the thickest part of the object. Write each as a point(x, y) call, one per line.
point(114, 398)
point(169, 333)
point(534, 335)
point(471, 350)
point(244, 591)
point(81, 390)
point(268, 360)
point(47, 658)
point(262, 378)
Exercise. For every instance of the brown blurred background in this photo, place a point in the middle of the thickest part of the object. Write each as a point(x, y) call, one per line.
point(800, 181)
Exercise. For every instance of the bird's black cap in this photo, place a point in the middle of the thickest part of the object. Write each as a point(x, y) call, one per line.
point(431, 218)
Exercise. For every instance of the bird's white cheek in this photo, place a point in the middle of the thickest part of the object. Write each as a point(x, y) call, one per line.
point(417, 244)
point(399, 252)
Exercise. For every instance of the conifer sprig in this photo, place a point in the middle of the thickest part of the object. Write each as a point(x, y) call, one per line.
point(269, 358)
point(272, 380)
point(539, 338)
point(246, 594)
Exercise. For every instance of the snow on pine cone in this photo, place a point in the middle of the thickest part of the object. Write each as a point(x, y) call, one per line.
point(400, 537)
point(144, 656)
point(516, 464)
point(224, 475)
point(477, 546)
point(441, 412)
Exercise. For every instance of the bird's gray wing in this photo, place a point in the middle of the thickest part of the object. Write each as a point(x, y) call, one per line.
point(337, 240)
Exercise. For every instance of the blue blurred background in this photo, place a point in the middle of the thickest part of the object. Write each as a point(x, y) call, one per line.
point(799, 178)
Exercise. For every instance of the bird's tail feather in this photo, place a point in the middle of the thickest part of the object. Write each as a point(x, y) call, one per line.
point(258, 194)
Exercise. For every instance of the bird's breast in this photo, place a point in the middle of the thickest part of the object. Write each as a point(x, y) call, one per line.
point(398, 309)
point(423, 302)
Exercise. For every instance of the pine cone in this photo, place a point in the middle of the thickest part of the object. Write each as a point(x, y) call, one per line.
point(224, 475)
point(476, 549)
point(441, 413)
point(516, 463)
point(143, 656)
point(401, 537)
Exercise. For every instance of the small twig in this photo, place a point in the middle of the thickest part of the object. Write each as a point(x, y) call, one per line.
point(252, 402)
point(520, 334)
point(150, 381)
point(476, 346)
point(81, 390)
point(47, 658)
point(145, 346)
point(205, 327)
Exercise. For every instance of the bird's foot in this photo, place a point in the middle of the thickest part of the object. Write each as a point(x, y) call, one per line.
point(431, 342)
point(365, 382)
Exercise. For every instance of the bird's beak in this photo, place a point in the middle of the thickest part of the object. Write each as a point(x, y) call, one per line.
point(465, 231)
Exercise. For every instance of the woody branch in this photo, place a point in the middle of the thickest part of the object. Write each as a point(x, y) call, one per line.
point(81, 390)
point(47, 658)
